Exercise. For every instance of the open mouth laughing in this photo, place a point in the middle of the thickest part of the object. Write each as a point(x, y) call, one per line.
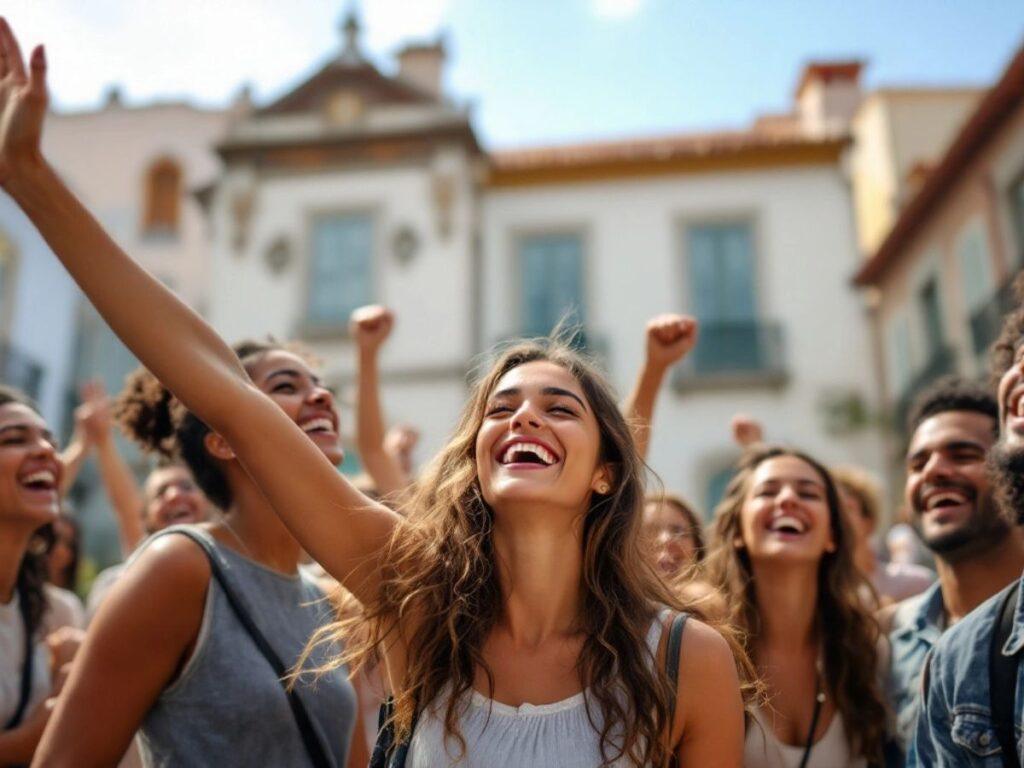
point(526, 453)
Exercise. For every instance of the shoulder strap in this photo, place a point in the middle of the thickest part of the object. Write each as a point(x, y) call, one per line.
point(675, 642)
point(26, 669)
point(672, 647)
point(1002, 679)
point(316, 751)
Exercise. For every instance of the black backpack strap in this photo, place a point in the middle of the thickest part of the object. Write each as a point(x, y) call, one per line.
point(1002, 679)
point(26, 669)
point(317, 754)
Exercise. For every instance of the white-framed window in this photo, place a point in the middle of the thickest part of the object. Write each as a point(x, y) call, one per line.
point(340, 267)
point(551, 281)
point(721, 267)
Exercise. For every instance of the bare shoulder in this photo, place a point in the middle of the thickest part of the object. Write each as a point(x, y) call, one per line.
point(708, 727)
point(703, 652)
point(171, 572)
point(884, 617)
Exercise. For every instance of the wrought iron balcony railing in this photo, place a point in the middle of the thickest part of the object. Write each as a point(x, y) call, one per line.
point(748, 350)
point(988, 319)
point(941, 362)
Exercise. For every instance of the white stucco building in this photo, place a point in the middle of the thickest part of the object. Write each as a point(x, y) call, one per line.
point(357, 186)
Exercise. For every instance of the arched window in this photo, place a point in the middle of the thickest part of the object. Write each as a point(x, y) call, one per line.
point(163, 198)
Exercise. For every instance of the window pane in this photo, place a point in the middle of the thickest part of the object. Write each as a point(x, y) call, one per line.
point(931, 315)
point(721, 270)
point(552, 282)
point(340, 268)
point(1017, 206)
point(975, 269)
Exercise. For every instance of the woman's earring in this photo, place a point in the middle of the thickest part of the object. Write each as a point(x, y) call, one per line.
point(603, 488)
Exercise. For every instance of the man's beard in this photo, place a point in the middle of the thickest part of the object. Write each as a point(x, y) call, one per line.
point(985, 528)
point(1007, 466)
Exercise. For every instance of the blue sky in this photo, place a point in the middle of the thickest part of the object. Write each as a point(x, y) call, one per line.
point(536, 71)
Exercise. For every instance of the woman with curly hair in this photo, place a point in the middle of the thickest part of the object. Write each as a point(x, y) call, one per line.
point(30, 475)
point(783, 561)
point(206, 667)
point(518, 620)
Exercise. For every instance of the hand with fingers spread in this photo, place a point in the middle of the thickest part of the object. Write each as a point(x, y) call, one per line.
point(370, 326)
point(22, 106)
point(94, 415)
point(670, 338)
point(746, 431)
point(399, 443)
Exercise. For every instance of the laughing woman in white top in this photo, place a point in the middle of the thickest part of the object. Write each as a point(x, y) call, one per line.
point(30, 473)
point(517, 579)
point(783, 559)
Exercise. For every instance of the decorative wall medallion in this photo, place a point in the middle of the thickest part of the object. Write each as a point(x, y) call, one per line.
point(279, 255)
point(242, 204)
point(405, 244)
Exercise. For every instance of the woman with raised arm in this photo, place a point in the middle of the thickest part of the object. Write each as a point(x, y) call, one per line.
point(207, 667)
point(515, 589)
point(669, 339)
point(783, 560)
point(30, 474)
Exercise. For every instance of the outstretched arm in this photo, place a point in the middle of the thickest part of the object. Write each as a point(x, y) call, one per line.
point(370, 327)
point(669, 339)
point(96, 422)
point(337, 525)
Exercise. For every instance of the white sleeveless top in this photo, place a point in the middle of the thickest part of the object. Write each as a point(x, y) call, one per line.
point(555, 735)
point(762, 748)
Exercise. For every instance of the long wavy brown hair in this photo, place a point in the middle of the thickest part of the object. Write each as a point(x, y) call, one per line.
point(849, 633)
point(440, 579)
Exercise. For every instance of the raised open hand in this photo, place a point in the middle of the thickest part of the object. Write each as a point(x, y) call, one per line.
point(94, 415)
point(670, 338)
point(22, 105)
point(370, 326)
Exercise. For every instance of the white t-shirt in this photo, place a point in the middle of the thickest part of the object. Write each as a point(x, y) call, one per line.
point(65, 610)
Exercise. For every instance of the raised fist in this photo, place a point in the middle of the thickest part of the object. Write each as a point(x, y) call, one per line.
point(746, 431)
point(370, 326)
point(670, 338)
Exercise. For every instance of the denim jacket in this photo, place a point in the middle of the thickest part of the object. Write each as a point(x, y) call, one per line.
point(955, 726)
point(917, 624)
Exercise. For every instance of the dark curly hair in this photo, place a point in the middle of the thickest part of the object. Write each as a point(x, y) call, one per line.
point(849, 633)
point(953, 393)
point(32, 572)
point(1005, 348)
point(151, 416)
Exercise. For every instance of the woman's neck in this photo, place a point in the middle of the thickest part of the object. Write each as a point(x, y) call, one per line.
point(258, 532)
point(14, 540)
point(540, 567)
point(787, 604)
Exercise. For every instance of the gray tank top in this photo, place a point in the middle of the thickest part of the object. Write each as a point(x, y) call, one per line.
point(227, 707)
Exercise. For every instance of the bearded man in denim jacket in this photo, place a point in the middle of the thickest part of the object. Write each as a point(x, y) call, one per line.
point(955, 726)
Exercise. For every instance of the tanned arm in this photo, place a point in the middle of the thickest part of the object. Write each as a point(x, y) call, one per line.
point(96, 421)
point(340, 527)
point(669, 339)
point(370, 327)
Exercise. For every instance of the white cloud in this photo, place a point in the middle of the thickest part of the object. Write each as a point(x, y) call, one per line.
point(617, 9)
